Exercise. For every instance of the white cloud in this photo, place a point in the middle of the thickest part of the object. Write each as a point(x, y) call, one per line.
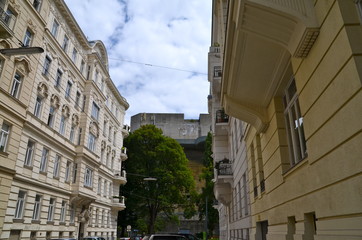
point(164, 33)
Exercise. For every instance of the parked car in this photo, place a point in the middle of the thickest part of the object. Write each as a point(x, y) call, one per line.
point(93, 238)
point(164, 237)
point(63, 239)
point(189, 236)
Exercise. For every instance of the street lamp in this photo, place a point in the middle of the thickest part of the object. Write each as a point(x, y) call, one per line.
point(21, 51)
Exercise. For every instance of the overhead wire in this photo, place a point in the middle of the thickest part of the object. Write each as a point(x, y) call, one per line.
point(159, 66)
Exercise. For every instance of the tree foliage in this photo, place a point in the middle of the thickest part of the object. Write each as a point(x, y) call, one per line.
point(207, 198)
point(149, 203)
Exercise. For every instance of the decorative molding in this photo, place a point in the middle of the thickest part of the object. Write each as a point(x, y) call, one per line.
point(54, 100)
point(43, 89)
point(23, 65)
point(65, 111)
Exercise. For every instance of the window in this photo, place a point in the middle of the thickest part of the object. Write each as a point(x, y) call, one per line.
point(37, 205)
point(58, 78)
point(102, 85)
point(96, 74)
point(99, 189)
point(67, 171)
point(92, 142)
point(29, 153)
point(62, 125)
point(56, 166)
point(95, 111)
point(65, 43)
point(15, 88)
point(88, 177)
point(72, 213)
point(82, 66)
point(37, 109)
point(55, 28)
point(74, 55)
point(51, 209)
point(294, 125)
point(105, 188)
point(51, 116)
point(114, 138)
point(4, 135)
point(9, 17)
point(105, 128)
point(110, 190)
point(68, 89)
point(36, 5)
point(75, 170)
point(46, 66)
point(27, 38)
point(63, 211)
point(44, 160)
point(72, 132)
point(79, 136)
point(19, 209)
point(77, 99)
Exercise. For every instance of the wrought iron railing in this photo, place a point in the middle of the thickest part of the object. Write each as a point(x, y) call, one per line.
point(221, 116)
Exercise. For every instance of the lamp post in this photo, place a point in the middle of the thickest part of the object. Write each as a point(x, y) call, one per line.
point(21, 51)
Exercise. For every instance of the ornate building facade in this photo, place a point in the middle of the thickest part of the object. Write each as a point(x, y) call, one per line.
point(62, 130)
point(290, 71)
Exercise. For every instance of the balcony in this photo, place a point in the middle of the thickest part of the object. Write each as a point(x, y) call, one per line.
point(221, 123)
point(260, 41)
point(120, 177)
point(118, 204)
point(124, 154)
point(7, 22)
point(125, 130)
point(223, 181)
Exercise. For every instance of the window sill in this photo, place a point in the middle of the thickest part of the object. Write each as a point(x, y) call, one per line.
point(35, 221)
point(88, 187)
point(28, 167)
point(18, 220)
point(71, 224)
point(62, 223)
point(4, 154)
point(50, 222)
point(43, 173)
point(56, 177)
point(294, 168)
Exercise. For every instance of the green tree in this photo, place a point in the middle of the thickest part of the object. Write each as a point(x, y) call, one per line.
point(152, 154)
point(207, 198)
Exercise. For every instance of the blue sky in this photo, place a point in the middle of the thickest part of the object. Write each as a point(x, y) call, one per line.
point(147, 40)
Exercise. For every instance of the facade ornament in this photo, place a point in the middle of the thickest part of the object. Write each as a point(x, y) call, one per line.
point(43, 90)
point(65, 111)
point(54, 100)
point(23, 65)
point(94, 129)
point(103, 145)
point(75, 119)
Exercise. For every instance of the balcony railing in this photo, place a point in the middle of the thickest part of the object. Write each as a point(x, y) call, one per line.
point(225, 169)
point(124, 153)
point(221, 116)
point(214, 49)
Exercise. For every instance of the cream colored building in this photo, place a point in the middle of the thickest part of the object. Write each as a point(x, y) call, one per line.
point(62, 130)
point(292, 72)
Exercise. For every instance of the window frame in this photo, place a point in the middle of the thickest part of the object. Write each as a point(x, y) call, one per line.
point(55, 28)
point(37, 207)
point(92, 139)
point(29, 154)
point(28, 38)
point(46, 66)
point(292, 115)
point(88, 177)
point(20, 205)
point(57, 164)
point(15, 87)
point(68, 90)
point(51, 116)
point(62, 125)
point(63, 210)
point(68, 168)
point(65, 43)
point(4, 136)
point(38, 106)
point(44, 160)
point(58, 78)
point(95, 111)
point(51, 209)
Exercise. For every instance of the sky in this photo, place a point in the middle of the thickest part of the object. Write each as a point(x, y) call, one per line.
point(157, 51)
